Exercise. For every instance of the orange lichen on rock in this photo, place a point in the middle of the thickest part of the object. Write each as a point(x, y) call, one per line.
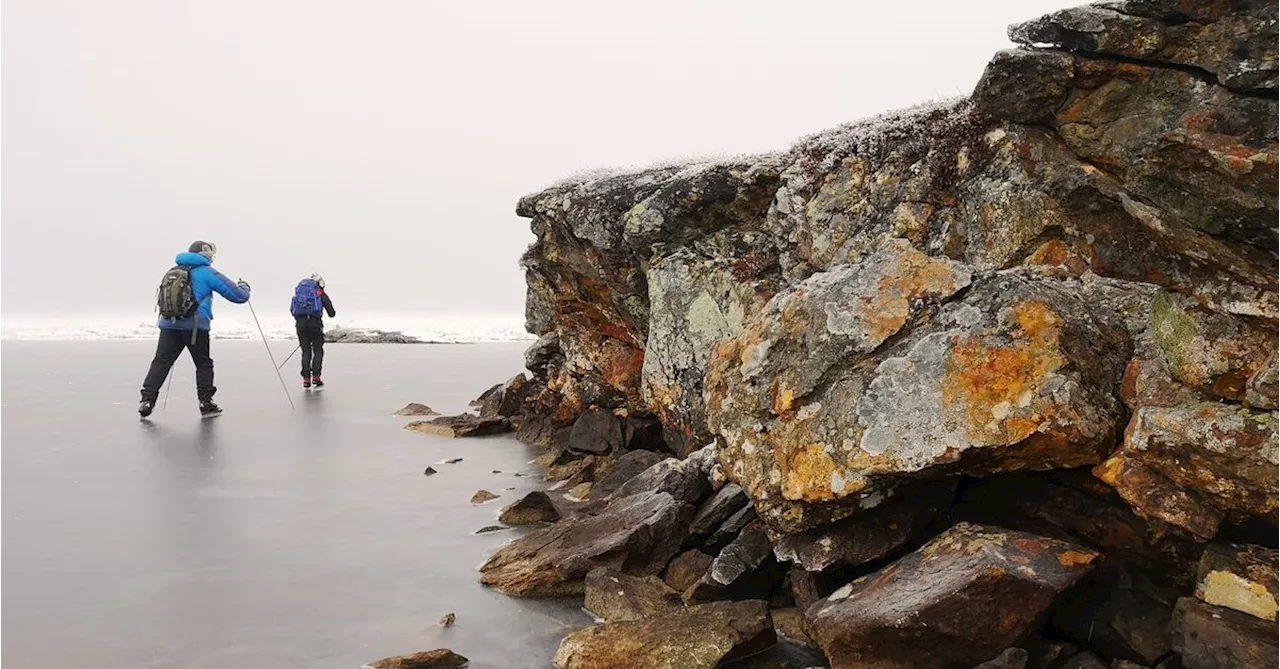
point(996, 383)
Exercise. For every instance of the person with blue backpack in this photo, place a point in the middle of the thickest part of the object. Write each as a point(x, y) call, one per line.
point(185, 302)
point(310, 304)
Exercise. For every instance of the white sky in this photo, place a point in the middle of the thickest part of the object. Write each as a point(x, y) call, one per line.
point(384, 143)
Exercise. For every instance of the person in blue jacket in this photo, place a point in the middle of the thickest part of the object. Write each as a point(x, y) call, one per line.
point(192, 332)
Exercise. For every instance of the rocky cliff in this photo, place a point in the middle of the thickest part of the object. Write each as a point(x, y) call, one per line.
point(1049, 308)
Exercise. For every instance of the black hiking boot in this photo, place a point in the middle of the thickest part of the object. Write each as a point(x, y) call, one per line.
point(315, 381)
point(209, 409)
point(146, 407)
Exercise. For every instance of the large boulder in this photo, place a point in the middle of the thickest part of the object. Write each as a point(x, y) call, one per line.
point(637, 535)
point(962, 598)
point(1020, 374)
point(699, 637)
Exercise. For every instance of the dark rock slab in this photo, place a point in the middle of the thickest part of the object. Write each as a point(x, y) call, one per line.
point(735, 563)
point(637, 536)
point(1119, 613)
point(507, 400)
point(687, 480)
point(962, 598)
point(729, 530)
point(623, 468)
point(699, 637)
point(862, 538)
point(597, 432)
point(614, 596)
point(726, 501)
point(535, 507)
point(1213, 637)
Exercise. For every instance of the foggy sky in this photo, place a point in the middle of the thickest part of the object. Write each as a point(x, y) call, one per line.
point(384, 143)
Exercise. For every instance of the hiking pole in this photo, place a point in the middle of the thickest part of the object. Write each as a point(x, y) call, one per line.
point(262, 334)
point(286, 360)
point(168, 390)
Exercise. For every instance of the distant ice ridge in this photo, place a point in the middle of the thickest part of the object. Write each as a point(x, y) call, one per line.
point(445, 329)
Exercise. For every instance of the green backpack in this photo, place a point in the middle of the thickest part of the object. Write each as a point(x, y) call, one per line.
point(175, 298)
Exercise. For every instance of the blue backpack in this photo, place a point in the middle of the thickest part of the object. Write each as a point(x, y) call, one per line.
point(306, 299)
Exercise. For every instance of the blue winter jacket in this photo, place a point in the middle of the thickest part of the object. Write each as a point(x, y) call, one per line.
point(205, 280)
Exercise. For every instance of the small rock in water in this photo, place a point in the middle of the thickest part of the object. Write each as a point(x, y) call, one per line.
point(490, 528)
point(415, 409)
point(453, 461)
point(483, 496)
point(448, 619)
point(496, 471)
point(517, 474)
point(431, 659)
point(428, 471)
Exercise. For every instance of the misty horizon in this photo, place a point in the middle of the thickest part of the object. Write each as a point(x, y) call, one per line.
point(386, 146)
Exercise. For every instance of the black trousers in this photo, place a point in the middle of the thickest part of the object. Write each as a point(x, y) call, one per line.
point(167, 351)
point(311, 341)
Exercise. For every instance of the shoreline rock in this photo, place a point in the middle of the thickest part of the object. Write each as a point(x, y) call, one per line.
point(920, 373)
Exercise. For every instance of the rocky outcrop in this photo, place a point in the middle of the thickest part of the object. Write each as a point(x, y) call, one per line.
point(1030, 330)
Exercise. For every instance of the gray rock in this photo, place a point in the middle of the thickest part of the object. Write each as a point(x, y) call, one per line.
point(615, 596)
point(735, 563)
point(637, 535)
point(727, 501)
point(699, 637)
point(535, 507)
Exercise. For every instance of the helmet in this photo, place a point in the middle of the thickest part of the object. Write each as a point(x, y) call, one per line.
point(206, 249)
point(315, 276)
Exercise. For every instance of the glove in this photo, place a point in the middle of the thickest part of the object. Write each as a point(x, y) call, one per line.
point(244, 285)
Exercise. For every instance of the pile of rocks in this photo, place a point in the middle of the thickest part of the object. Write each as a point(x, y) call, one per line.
point(987, 383)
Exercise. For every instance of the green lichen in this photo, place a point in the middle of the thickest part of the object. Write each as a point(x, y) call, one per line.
point(1264, 419)
point(1173, 330)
